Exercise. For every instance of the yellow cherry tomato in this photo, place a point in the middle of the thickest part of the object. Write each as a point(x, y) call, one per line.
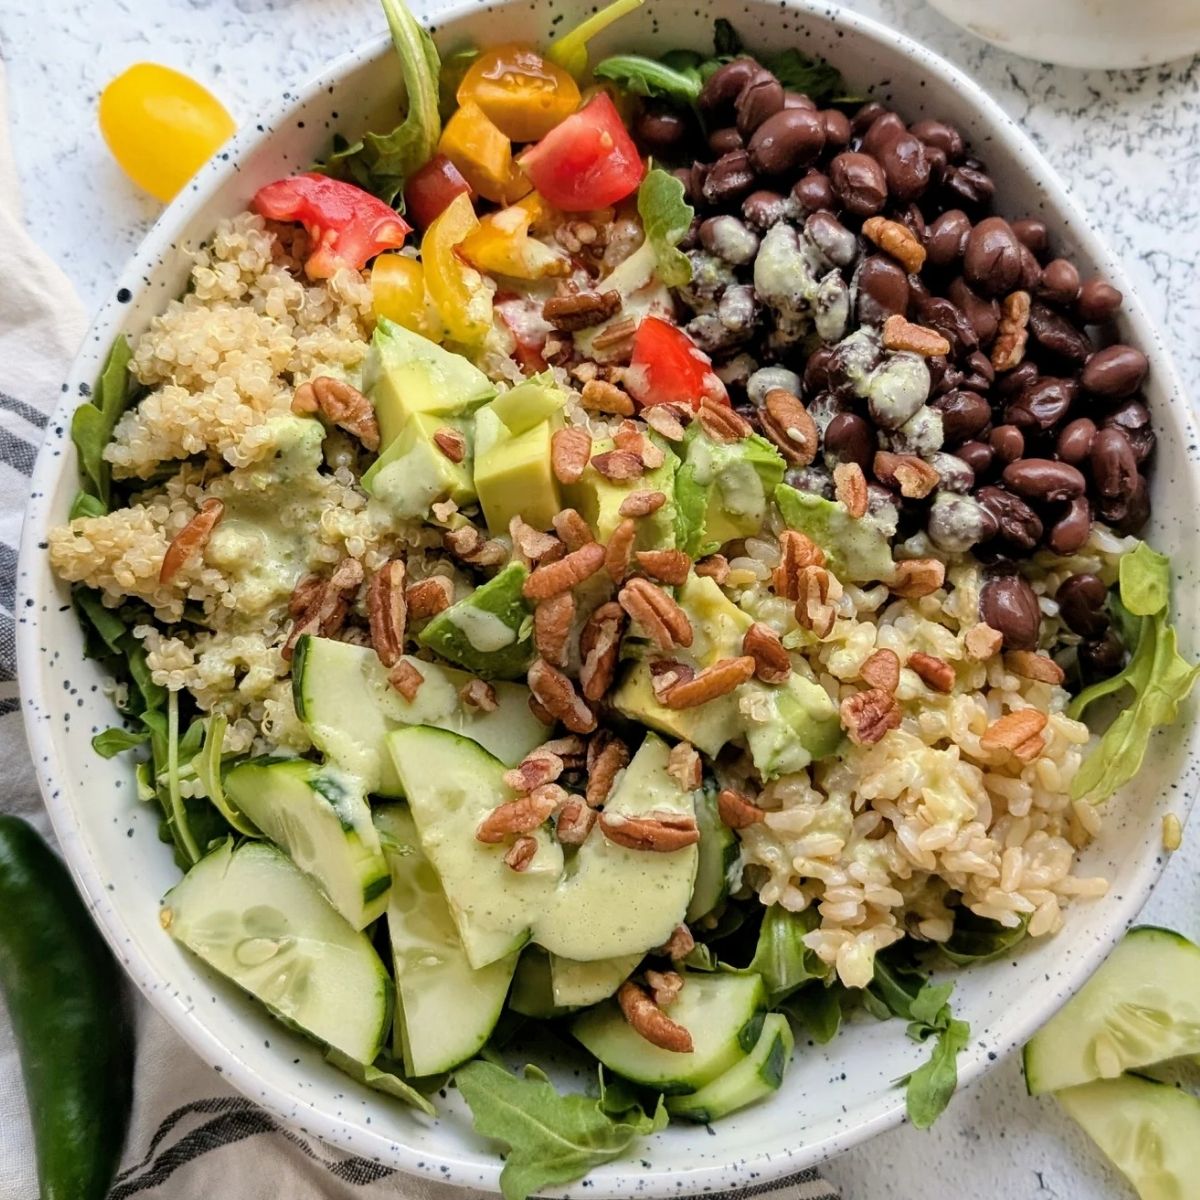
point(483, 155)
point(461, 295)
point(502, 245)
point(398, 293)
point(520, 91)
point(161, 126)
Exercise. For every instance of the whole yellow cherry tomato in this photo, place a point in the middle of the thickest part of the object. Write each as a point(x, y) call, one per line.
point(483, 155)
point(523, 94)
point(461, 295)
point(161, 126)
point(398, 293)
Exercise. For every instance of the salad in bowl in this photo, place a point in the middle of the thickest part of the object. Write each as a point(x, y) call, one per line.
point(622, 561)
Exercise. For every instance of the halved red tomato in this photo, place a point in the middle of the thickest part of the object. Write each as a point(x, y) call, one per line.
point(347, 226)
point(667, 367)
point(587, 161)
point(429, 191)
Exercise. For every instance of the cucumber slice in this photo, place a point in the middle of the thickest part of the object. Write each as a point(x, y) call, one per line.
point(758, 1074)
point(255, 917)
point(723, 1013)
point(320, 818)
point(343, 697)
point(532, 992)
point(447, 1009)
point(1142, 1006)
point(718, 857)
point(452, 784)
point(578, 984)
point(1150, 1131)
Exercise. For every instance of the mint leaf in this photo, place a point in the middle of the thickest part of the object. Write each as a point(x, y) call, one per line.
point(929, 1087)
point(651, 78)
point(551, 1139)
point(666, 218)
point(1145, 580)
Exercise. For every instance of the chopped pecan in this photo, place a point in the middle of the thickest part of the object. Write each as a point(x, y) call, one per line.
point(900, 334)
point(796, 552)
point(912, 475)
point(570, 449)
point(568, 572)
point(581, 310)
point(600, 648)
point(340, 403)
point(429, 597)
point(451, 443)
point(850, 488)
point(714, 567)
point(571, 748)
point(575, 822)
point(1029, 665)
point(788, 424)
point(442, 511)
point(522, 815)
point(406, 679)
point(538, 767)
point(982, 641)
point(557, 695)
point(615, 335)
point(898, 240)
point(816, 604)
point(667, 420)
point(599, 395)
point(630, 437)
point(607, 756)
point(718, 680)
point(303, 595)
point(470, 545)
point(387, 611)
point(647, 1019)
point(669, 566)
point(721, 423)
point(532, 543)
point(620, 550)
point(661, 619)
point(328, 604)
point(916, 577)
point(934, 672)
point(479, 694)
point(738, 811)
point(552, 620)
point(641, 503)
point(679, 945)
point(772, 663)
point(192, 538)
point(619, 465)
point(665, 986)
point(867, 716)
point(1008, 350)
point(665, 673)
point(521, 853)
point(881, 671)
point(685, 766)
point(661, 832)
point(1016, 730)
point(572, 528)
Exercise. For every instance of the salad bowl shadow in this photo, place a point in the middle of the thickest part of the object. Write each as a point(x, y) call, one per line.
point(834, 1096)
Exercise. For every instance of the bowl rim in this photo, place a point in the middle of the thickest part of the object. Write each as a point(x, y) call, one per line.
point(469, 1168)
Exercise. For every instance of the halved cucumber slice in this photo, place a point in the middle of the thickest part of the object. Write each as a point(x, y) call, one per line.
point(718, 858)
point(343, 697)
point(320, 818)
point(723, 1013)
point(1149, 1130)
point(1142, 1006)
point(447, 1010)
point(532, 992)
point(758, 1074)
point(253, 915)
point(577, 984)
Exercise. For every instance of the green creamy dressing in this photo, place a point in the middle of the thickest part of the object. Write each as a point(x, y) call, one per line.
point(739, 486)
point(484, 630)
point(410, 484)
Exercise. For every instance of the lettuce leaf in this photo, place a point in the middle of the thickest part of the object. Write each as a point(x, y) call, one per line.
point(570, 51)
point(781, 957)
point(1144, 577)
point(552, 1139)
point(92, 428)
point(652, 78)
point(666, 218)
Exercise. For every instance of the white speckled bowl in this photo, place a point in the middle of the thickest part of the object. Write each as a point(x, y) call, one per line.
point(833, 1096)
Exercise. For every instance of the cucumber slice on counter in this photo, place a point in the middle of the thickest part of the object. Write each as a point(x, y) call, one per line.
point(1142, 1006)
point(255, 917)
point(320, 818)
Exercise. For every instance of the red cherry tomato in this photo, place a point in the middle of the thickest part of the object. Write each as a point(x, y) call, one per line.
point(586, 162)
point(667, 367)
point(347, 225)
point(429, 192)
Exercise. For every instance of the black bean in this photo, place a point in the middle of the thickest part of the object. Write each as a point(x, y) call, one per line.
point(1071, 530)
point(992, 260)
point(964, 415)
point(950, 321)
point(1056, 333)
point(788, 140)
point(723, 86)
point(1115, 371)
point(883, 289)
point(814, 192)
point(817, 370)
point(729, 178)
point(981, 372)
point(1132, 417)
point(906, 166)
point(1008, 604)
point(1008, 443)
point(866, 116)
point(692, 179)
point(945, 137)
point(722, 141)
point(943, 377)
point(800, 100)
point(977, 455)
point(849, 438)
point(1114, 467)
point(1101, 658)
point(761, 98)
point(984, 315)
point(1136, 511)
point(1081, 599)
point(1031, 271)
point(837, 127)
point(969, 185)
point(1060, 282)
point(1044, 480)
point(1098, 302)
point(883, 131)
point(859, 182)
point(946, 238)
point(832, 238)
point(1043, 403)
point(1033, 233)
point(1012, 383)
point(1017, 523)
point(659, 129)
point(1075, 441)
point(762, 209)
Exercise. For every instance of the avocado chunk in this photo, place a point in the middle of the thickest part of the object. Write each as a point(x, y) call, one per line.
point(528, 404)
point(598, 500)
point(405, 373)
point(514, 478)
point(788, 727)
point(722, 489)
point(413, 473)
point(857, 551)
point(489, 631)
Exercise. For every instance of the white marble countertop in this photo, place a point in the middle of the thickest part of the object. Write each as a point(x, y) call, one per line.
point(1125, 141)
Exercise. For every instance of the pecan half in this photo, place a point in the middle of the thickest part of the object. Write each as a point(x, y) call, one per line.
point(718, 680)
point(532, 543)
point(787, 423)
point(599, 395)
point(521, 853)
point(192, 538)
point(600, 648)
point(607, 756)
point(881, 671)
point(898, 240)
point(678, 946)
point(387, 611)
point(570, 571)
point(522, 815)
point(571, 748)
point(661, 619)
point(685, 766)
point(575, 822)
point(665, 986)
point(868, 716)
point(328, 604)
point(667, 420)
point(901, 334)
point(772, 663)
point(619, 551)
point(557, 695)
point(1008, 350)
point(406, 679)
point(479, 694)
point(668, 566)
point(665, 673)
point(721, 423)
point(647, 1019)
point(816, 604)
point(916, 577)
point(614, 337)
point(552, 621)
point(572, 528)
point(659, 832)
point(912, 475)
point(429, 597)
point(934, 672)
point(1039, 667)
point(1014, 730)
point(630, 437)
point(581, 310)
point(796, 552)
point(340, 403)
point(738, 811)
point(982, 641)
point(619, 465)
point(850, 488)
point(540, 766)
point(642, 503)
point(451, 443)
point(470, 545)
point(570, 450)
point(714, 567)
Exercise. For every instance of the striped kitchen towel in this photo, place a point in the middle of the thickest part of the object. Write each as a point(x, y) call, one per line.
point(191, 1136)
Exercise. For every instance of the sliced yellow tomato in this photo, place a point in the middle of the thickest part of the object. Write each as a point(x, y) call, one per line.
point(398, 293)
point(524, 95)
point(461, 295)
point(161, 126)
point(502, 245)
point(483, 155)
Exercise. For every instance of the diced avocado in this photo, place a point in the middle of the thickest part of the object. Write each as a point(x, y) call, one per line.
point(489, 631)
point(723, 488)
point(707, 726)
point(413, 473)
point(598, 500)
point(857, 551)
point(514, 478)
point(405, 374)
point(529, 403)
point(577, 984)
point(790, 726)
point(758, 1075)
point(718, 625)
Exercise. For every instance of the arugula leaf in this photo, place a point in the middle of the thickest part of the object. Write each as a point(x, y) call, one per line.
point(651, 78)
point(380, 163)
point(98, 621)
point(570, 51)
point(818, 1007)
point(388, 1080)
point(208, 768)
point(666, 218)
point(86, 505)
point(929, 1088)
point(116, 741)
point(1145, 581)
point(781, 957)
point(552, 1139)
point(726, 42)
point(819, 81)
point(92, 424)
point(980, 939)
